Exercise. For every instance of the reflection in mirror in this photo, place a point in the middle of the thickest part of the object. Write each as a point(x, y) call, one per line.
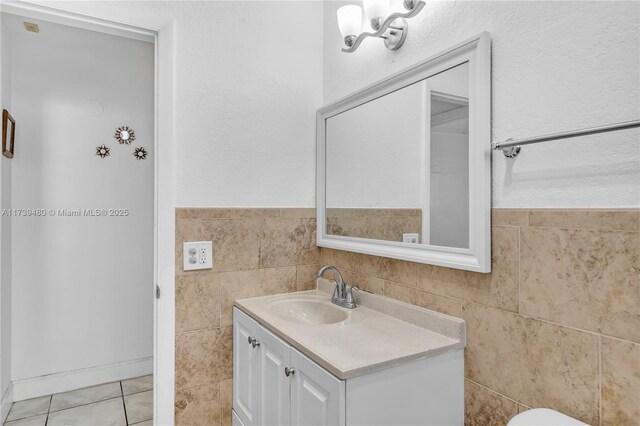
point(448, 206)
point(373, 168)
point(397, 166)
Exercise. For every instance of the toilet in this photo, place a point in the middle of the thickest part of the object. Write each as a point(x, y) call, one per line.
point(543, 417)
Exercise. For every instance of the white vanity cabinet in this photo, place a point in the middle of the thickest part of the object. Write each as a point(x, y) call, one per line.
point(245, 369)
point(317, 397)
point(264, 395)
point(426, 391)
point(273, 386)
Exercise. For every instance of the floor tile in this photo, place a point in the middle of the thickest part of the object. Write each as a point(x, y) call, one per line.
point(40, 420)
point(139, 384)
point(104, 413)
point(139, 406)
point(75, 398)
point(29, 408)
point(145, 423)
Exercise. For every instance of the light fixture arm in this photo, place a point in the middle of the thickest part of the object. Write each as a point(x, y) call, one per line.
point(397, 25)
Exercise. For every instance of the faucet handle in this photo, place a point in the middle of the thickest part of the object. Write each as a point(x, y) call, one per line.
point(349, 296)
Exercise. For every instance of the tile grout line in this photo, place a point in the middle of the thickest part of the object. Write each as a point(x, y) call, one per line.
point(569, 228)
point(84, 405)
point(124, 406)
point(48, 410)
point(600, 380)
point(452, 298)
point(142, 391)
point(196, 273)
point(495, 391)
point(570, 327)
point(5, 421)
point(519, 248)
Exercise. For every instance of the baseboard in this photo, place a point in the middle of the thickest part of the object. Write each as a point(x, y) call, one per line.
point(5, 404)
point(69, 380)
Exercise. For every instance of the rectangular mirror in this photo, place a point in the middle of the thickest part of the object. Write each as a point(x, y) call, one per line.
point(404, 165)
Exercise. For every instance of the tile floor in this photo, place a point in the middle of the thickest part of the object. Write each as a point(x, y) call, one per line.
point(128, 402)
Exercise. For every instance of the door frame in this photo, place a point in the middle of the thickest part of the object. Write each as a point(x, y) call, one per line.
point(163, 38)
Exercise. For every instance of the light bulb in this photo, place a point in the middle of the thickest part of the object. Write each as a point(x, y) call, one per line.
point(376, 11)
point(350, 20)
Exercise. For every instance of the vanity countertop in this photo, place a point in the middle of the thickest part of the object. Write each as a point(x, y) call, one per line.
point(381, 332)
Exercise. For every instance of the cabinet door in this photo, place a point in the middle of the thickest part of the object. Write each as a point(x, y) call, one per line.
point(245, 364)
point(274, 385)
point(317, 397)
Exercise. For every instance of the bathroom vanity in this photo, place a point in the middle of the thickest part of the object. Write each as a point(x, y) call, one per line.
point(300, 360)
point(403, 172)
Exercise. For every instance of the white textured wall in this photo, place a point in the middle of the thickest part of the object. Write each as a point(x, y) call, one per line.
point(246, 103)
point(557, 66)
point(82, 286)
point(248, 82)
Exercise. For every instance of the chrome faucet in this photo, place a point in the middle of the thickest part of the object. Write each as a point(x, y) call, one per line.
point(343, 293)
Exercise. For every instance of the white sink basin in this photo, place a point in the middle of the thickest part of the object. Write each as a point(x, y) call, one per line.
point(308, 311)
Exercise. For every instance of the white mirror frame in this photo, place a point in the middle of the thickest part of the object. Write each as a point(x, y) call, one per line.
point(477, 52)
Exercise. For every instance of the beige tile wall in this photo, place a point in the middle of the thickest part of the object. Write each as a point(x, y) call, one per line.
point(256, 252)
point(556, 324)
point(378, 224)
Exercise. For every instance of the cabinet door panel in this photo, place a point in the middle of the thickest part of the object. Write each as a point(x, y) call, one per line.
point(274, 387)
point(245, 364)
point(235, 420)
point(317, 397)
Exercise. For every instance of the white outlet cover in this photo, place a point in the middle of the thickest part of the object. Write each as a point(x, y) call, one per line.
point(411, 238)
point(197, 255)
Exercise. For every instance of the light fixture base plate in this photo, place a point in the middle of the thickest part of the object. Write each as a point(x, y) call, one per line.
point(397, 34)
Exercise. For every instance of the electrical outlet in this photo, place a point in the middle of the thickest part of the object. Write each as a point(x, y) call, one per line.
point(197, 255)
point(410, 238)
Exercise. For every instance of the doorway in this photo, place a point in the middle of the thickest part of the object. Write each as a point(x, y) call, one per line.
point(82, 222)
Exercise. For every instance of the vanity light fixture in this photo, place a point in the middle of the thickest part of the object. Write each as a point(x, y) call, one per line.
point(376, 10)
point(392, 28)
point(350, 22)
